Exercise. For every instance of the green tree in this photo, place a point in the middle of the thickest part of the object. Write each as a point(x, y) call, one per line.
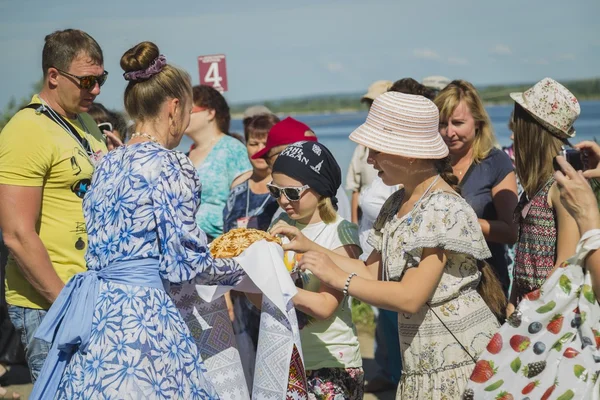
point(13, 106)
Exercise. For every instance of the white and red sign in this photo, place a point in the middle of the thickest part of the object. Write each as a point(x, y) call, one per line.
point(213, 71)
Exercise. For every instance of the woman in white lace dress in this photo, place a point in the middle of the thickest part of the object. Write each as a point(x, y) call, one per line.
point(427, 246)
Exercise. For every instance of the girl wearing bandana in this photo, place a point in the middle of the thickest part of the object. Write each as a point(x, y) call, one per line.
point(305, 180)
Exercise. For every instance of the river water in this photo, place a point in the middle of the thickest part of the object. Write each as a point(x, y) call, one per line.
point(333, 129)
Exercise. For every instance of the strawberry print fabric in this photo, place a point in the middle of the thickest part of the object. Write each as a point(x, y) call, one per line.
point(548, 349)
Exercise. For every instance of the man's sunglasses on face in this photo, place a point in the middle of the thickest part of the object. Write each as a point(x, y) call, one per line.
point(291, 193)
point(87, 82)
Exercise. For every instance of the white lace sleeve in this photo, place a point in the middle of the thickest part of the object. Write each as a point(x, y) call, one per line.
point(446, 221)
point(589, 241)
point(375, 239)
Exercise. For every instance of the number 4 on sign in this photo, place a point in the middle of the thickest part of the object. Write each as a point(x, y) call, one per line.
point(212, 75)
point(213, 71)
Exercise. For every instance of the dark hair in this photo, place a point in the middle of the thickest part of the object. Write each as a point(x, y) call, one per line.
point(259, 125)
point(444, 168)
point(367, 101)
point(101, 114)
point(209, 97)
point(143, 98)
point(489, 288)
point(411, 86)
point(237, 136)
point(62, 47)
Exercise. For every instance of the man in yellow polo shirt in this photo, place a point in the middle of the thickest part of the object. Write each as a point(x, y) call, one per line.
point(47, 157)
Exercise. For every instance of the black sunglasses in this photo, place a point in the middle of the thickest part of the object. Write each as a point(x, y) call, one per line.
point(291, 193)
point(87, 82)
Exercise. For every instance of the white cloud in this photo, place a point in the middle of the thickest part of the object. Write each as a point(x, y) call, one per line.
point(334, 66)
point(501, 50)
point(457, 61)
point(426, 54)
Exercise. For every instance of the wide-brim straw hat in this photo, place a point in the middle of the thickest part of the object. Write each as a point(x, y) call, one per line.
point(376, 89)
point(404, 125)
point(552, 105)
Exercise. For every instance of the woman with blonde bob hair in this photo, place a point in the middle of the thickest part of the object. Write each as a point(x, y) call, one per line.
point(542, 123)
point(485, 173)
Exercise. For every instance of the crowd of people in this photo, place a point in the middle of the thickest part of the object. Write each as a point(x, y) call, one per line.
point(452, 240)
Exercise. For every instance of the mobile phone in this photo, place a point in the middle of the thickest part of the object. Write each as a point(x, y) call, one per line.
point(105, 126)
point(576, 158)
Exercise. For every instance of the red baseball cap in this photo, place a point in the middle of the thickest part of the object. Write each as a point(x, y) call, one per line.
point(286, 132)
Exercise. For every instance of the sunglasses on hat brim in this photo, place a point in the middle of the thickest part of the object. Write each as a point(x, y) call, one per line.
point(292, 193)
point(87, 82)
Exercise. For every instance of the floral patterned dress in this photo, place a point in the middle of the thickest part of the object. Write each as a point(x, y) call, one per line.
point(435, 366)
point(141, 207)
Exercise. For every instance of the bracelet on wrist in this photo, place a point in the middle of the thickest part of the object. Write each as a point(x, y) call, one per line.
point(346, 286)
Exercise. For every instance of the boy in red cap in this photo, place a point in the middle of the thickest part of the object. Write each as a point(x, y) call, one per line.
point(289, 131)
point(283, 134)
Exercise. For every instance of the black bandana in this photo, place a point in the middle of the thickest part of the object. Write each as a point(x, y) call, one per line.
point(312, 164)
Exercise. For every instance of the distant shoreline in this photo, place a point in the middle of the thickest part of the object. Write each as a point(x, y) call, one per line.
point(351, 110)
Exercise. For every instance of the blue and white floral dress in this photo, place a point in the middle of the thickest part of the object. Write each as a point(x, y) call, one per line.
point(116, 332)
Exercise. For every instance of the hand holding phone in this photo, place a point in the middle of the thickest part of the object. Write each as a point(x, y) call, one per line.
point(592, 152)
point(112, 141)
point(576, 158)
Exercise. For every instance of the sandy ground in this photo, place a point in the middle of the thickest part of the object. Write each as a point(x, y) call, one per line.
point(366, 343)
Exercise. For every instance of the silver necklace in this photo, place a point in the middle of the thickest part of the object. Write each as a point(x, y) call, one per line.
point(145, 136)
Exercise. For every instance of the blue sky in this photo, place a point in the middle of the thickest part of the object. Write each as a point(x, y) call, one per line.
point(278, 49)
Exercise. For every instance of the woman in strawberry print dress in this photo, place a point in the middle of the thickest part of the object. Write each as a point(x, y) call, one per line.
point(549, 347)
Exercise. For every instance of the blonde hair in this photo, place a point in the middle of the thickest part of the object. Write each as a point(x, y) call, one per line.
point(326, 210)
point(447, 101)
point(535, 147)
point(143, 98)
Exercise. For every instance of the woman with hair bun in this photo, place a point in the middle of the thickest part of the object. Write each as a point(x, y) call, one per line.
point(115, 331)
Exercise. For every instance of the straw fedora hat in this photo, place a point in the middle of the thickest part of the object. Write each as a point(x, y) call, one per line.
point(376, 89)
point(552, 105)
point(404, 125)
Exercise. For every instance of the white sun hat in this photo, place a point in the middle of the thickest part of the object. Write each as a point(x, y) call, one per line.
point(404, 125)
point(436, 82)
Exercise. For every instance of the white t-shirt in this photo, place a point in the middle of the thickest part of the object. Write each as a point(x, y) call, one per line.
point(331, 343)
point(370, 201)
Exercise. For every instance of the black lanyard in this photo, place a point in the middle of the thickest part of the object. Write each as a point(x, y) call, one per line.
point(41, 109)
